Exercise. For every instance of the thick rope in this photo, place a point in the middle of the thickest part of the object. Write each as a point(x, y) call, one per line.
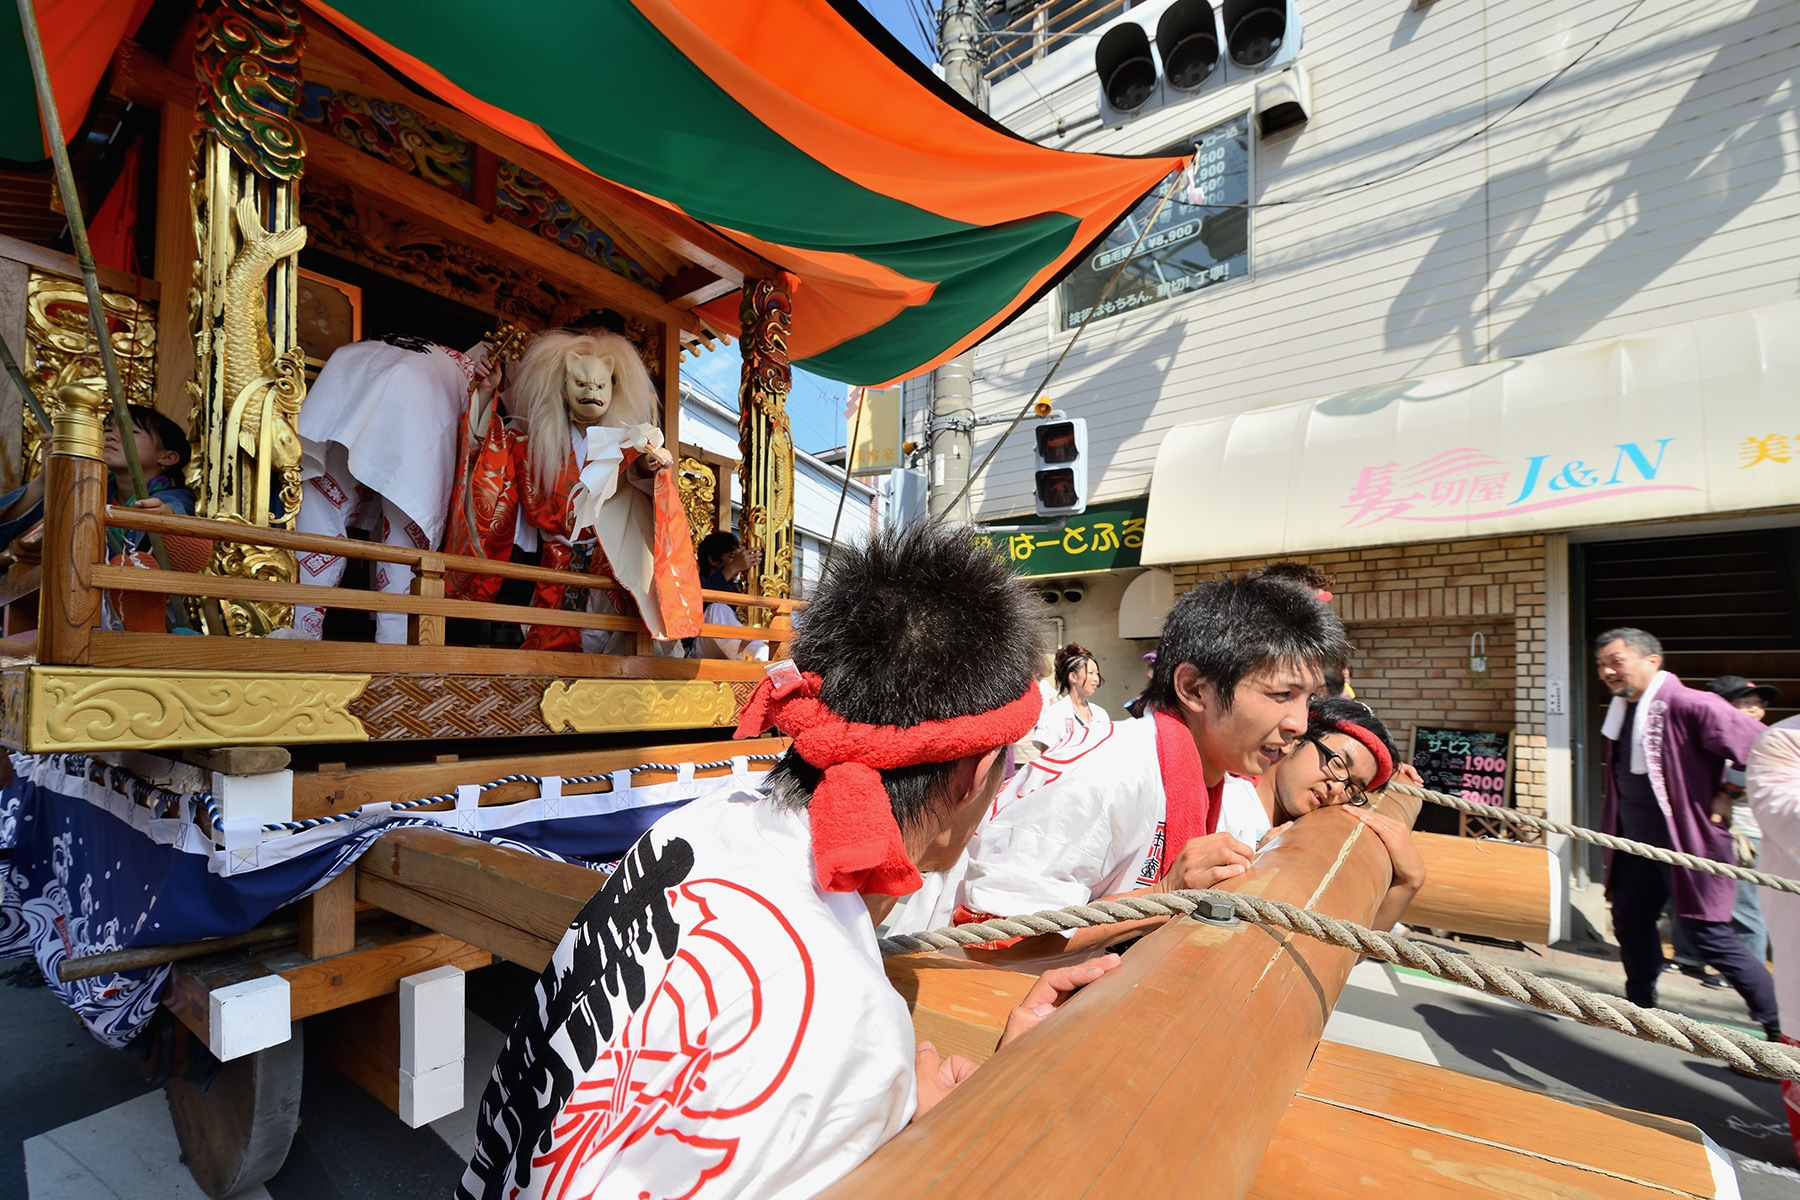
point(1673, 858)
point(1739, 1050)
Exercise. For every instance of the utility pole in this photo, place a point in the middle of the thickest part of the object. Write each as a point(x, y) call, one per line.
point(952, 413)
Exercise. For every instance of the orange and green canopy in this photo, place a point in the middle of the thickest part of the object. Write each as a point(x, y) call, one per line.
point(915, 225)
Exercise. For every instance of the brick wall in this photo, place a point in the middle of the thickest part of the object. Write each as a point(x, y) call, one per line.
point(1411, 611)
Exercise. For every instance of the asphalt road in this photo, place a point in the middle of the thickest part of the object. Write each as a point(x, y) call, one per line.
point(76, 1120)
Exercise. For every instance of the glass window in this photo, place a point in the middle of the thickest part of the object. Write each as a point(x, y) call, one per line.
point(1192, 245)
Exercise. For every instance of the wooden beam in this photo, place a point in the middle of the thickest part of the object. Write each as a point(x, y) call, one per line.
point(240, 760)
point(328, 918)
point(142, 78)
point(329, 55)
point(56, 263)
point(339, 789)
point(118, 649)
point(328, 157)
point(1369, 1115)
point(693, 286)
point(386, 951)
point(1176, 1068)
point(1489, 888)
point(514, 904)
point(1366, 1124)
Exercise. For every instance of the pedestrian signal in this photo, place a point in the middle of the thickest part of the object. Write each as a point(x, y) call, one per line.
point(1061, 486)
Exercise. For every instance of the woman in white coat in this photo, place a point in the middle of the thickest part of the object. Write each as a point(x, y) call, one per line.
point(1772, 784)
point(1077, 678)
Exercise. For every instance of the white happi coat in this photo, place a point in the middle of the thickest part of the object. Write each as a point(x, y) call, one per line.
point(385, 415)
point(1242, 814)
point(1080, 821)
point(713, 1024)
point(1772, 784)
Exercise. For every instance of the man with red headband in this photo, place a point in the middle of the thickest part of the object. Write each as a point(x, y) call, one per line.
point(716, 1022)
point(1135, 806)
point(1345, 753)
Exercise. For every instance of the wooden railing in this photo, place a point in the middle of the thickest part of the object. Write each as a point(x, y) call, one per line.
point(426, 604)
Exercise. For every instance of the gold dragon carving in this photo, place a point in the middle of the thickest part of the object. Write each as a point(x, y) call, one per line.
point(250, 371)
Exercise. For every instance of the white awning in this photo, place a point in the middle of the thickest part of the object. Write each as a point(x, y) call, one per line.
point(1685, 420)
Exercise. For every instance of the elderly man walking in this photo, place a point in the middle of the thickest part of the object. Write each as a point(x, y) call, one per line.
point(1667, 747)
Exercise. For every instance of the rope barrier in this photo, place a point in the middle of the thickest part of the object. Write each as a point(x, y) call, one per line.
point(1742, 1051)
point(1659, 854)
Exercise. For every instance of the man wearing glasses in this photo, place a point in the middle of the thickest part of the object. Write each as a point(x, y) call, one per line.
point(1135, 806)
point(1345, 753)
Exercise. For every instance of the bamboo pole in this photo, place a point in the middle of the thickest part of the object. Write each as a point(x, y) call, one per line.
point(90, 278)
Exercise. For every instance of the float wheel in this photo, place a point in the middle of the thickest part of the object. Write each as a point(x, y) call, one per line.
point(236, 1120)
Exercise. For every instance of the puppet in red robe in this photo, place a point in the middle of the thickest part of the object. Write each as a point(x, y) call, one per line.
point(594, 483)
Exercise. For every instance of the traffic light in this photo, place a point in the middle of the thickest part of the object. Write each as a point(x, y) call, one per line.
point(1200, 44)
point(1060, 487)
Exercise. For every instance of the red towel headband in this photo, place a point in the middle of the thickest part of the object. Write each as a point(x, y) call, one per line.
point(856, 841)
point(1384, 762)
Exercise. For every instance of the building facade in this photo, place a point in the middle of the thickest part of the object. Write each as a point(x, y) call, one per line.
point(1491, 331)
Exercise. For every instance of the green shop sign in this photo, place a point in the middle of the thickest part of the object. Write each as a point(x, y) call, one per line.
point(1100, 539)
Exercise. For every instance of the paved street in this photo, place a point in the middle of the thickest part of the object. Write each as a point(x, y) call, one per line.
point(79, 1123)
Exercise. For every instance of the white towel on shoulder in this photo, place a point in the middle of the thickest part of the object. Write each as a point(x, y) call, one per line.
point(1615, 721)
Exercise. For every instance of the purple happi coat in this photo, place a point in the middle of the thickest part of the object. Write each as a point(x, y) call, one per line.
point(1688, 737)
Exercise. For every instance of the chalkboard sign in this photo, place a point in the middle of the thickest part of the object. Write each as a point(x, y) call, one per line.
point(1469, 763)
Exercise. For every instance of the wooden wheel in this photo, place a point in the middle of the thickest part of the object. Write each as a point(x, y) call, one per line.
point(236, 1127)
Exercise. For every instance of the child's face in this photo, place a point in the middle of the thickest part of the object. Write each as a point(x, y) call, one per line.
point(151, 456)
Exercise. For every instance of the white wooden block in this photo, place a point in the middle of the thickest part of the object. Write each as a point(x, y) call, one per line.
point(435, 1093)
point(242, 1018)
point(265, 798)
point(431, 1020)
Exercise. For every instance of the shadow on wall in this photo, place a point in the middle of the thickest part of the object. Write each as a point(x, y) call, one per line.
point(1708, 161)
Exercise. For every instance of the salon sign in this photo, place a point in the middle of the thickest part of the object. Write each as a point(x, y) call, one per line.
point(1691, 420)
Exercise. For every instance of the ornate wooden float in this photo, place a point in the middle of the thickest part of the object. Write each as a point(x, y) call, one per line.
point(268, 119)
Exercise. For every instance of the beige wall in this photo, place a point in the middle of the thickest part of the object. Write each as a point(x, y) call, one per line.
point(1095, 624)
point(1410, 611)
point(1655, 182)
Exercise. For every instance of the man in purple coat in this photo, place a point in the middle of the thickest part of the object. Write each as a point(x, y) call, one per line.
point(1666, 751)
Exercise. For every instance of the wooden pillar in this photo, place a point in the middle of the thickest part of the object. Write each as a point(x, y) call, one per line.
point(671, 388)
point(1170, 1075)
point(328, 918)
point(175, 254)
point(74, 492)
point(765, 445)
point(428, 582)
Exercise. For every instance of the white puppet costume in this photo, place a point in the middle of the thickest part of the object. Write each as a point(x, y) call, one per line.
point(594, 485)
point(378, 452)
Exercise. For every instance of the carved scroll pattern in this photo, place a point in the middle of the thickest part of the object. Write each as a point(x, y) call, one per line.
point(121, 710)
point(60, 348)
point(348, 226)
point(249, 64)
point(765, 444)
point(699, 495)
point(605, 705)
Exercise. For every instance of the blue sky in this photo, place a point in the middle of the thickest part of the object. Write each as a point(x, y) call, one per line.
point(816, 404)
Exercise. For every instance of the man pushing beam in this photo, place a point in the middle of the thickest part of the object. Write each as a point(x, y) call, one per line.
point(716, 1020)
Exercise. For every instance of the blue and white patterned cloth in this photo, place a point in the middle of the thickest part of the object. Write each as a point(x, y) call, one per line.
point(101, 861)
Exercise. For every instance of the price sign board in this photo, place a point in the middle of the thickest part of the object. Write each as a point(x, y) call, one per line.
point(1469, 763)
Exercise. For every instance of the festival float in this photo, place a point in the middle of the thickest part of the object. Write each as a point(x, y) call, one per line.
point(429, 274)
